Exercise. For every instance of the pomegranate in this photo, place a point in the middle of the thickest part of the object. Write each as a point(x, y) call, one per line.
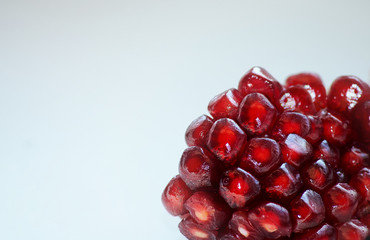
point(277, 162)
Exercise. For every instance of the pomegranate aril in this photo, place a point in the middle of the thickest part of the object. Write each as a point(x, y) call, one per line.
point(239, 223)
point(196, 133)
point(225, 104)
point(336, 129)
point(295, 150)
point(225, 140)
point(238, 187)
point(283, 183)
point(198, 168)
point(194, 231)
point(271, 219)
point(318, 175)
point(354, 159)
point(323, 232)
point(261, 156)
point(352, 230)
point(174, 196)
point(341, 202)
point(256, 114)
point(258, 80)
point(345, 92)
point(327, 152)
point(296, 98)
point(361, 182)
point(307, 211)
point(313, 84)
point(208, 209)
point(316, 131)
point(291, 122)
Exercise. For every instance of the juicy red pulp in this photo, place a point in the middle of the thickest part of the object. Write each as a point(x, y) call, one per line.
point(277, 162)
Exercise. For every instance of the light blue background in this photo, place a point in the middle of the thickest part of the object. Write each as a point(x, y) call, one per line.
point(95, 97)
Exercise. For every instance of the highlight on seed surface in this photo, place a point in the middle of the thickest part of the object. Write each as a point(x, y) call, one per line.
point(274, 161)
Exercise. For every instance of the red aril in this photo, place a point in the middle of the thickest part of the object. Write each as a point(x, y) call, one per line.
point(318, 175)
point(271, 219)
point(283, 183)
point(291, 122)
point(174, 196)
point(225, 140)
point(258, 80)
point(226, 104)
point(198, 168)
point(295, 150)
point(197, 132)
point(296, 98)
point(307, 211)
point(193, 230)
point(261, 156)
point(256, 114)
point(240, 224)
point(313, 84)
point(316, 131)
point(208, 210)
point(345, 93)
point(341, 202)
point(238, 187)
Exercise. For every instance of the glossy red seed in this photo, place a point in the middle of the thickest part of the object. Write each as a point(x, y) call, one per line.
point(240, 224)
point(307, 211)
point(345, 92)
point(271, 219)
point(296, 98)
point(352, 230)
point(208, 209)
point(283, 183)
point(256, 114)
point(323, 232)
point(229, 234)
point(198, 168)
point(316, 131)
point(174, 196)
point(196, 133)
point(225, 140)
point(261, 156)
point(225, 104)
point(341, 202)
point(291, 122)
point(354, 159)
point(313, 84)
point(295, 150)
point(195, 231)
point(361, 122)
point(327, 152)
point(238, 187)
point(361, 182)
point(318, 175)
point(259, 80)
point(336, 129)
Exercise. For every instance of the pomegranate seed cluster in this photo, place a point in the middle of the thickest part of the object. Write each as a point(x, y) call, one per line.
point(277, 162)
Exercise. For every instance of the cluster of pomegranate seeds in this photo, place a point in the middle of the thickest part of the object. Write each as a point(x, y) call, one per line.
point(277, 162)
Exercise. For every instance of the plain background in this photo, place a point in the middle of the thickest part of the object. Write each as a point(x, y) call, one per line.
point(95, 97)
